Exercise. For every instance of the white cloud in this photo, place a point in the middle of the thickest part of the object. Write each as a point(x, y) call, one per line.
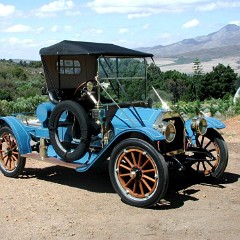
point(207, 7)
point(56, 6)
point(146, 26)
point(144, 8)
point(68, 28)
point(39, 30)
point(123, 30)
point(218, 4)
point(53, 7)
point(89, 34)
point(18, 28)
point(94, 31)
point(22, 48)
point(191, 24)
point(138, 8)
point(163, 38)
point(165, 35)
point(73, 13)
point(25, 42)
point(6, 10)
point(138, 15)
point(54, 28)
point(121, 42)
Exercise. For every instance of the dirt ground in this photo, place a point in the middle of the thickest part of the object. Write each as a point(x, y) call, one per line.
point(50, 202)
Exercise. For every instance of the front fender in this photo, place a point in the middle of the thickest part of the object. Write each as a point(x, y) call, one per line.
point(150, 133)
point(215, 123)
point(21, 134)
point(212, 123)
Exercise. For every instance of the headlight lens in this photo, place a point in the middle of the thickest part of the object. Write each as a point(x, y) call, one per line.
point(168, 130)
point(199, 125)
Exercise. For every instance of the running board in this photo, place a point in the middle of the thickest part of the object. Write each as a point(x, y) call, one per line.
point(54, 161)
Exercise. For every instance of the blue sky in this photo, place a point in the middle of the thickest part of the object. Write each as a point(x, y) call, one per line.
point(26, 26)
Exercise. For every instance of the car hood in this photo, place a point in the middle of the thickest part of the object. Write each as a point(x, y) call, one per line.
point(136, 117)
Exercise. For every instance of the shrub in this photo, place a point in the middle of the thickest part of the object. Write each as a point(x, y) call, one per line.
point(6, 107)
point(236, 107)
point(5, 95)
point(21, 105)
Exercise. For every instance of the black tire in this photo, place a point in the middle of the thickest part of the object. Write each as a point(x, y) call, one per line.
point(11, 162)
point(76, 117)
point(215, 145)
point(138, 173)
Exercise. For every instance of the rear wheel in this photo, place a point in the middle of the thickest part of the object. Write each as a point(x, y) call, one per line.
point(214, 164)
point(11, 162)
point(138, 173)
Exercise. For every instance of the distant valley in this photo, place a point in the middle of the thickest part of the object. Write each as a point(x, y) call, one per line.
point(222, 46)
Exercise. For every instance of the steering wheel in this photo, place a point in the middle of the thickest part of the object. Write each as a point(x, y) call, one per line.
point(80, 87)
point(84, 89)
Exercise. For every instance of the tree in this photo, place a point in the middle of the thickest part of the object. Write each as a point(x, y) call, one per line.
point(237, 83)
point(196, 83)
point(197, 67)
point(19, 73)
point(155, 76)
point(219, 82)
point(178, 84)
point(35, 64)
point(153, 72)
point(22, 63)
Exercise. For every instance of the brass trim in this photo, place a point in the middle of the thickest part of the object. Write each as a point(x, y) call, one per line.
point(175, 152)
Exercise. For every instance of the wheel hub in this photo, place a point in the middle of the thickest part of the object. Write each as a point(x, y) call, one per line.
point(136, 173)
point(8, 152)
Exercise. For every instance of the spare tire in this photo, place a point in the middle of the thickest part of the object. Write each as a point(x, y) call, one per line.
point(69, 120)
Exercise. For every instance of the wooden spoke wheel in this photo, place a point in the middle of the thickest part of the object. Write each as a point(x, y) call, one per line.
point(138, 173)
point(215, 162)
point(11, 163)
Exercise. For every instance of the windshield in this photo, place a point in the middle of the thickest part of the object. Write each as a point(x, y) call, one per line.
point(123, 78)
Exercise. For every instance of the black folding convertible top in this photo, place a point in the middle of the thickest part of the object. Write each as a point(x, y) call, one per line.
point(90, 48)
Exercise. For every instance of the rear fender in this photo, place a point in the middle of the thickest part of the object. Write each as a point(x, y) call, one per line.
point(21, 134)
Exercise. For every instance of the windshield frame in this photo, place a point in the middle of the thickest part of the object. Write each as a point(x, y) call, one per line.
point(116, 78)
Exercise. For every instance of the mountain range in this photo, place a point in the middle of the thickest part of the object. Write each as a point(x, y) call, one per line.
point(223, 44)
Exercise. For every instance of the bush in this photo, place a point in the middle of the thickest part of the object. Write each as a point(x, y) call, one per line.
point(21, 105)
point(190, 109)
point(5, 95)
point(219, 108)
point(6, 107)
point(236, 107)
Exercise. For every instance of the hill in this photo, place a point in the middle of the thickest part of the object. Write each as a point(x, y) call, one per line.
point(222, 46)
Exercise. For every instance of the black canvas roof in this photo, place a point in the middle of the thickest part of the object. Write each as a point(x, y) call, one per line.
point(90, 48)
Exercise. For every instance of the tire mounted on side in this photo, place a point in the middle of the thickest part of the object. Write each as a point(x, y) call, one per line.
point(75, 120)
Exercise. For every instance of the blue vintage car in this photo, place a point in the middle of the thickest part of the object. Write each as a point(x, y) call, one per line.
point(91, 118)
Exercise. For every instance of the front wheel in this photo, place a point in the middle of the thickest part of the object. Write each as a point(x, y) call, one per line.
point(11, 162)
point(215, 162)
point(138, 173)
